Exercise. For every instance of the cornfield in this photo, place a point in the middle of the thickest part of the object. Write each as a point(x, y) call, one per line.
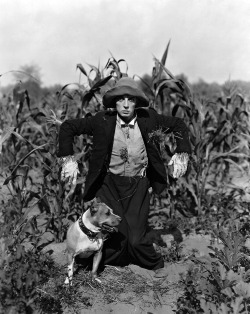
point(41, 207)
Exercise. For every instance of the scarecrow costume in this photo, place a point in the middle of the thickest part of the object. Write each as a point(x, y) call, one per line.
point(123, 165)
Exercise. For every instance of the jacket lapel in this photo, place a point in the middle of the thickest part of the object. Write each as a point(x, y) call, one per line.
point(142, 123)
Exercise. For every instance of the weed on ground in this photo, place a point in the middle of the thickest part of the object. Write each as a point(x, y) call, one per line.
point(116, 285)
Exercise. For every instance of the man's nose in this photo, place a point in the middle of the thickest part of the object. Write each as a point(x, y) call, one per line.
point(125, 102)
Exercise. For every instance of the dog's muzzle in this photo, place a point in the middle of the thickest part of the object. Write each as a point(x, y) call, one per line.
point(108, 228)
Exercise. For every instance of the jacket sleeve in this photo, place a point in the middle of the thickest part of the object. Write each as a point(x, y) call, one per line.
point(68, 130)
point(179, 129)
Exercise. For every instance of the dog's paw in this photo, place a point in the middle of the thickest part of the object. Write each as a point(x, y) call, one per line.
point(98, 280)
point(68, 282)
point(95, 278)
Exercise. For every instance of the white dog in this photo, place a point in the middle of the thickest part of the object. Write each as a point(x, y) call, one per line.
point(85, 236)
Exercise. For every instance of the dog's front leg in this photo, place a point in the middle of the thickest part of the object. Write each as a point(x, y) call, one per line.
point(71, 260)
point(96, 262)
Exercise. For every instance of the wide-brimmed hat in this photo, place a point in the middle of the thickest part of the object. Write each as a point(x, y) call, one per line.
point(125, 86)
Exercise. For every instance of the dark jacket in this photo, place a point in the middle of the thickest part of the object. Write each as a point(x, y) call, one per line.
point(102, 128)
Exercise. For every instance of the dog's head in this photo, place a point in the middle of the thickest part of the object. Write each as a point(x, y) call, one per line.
point(102, 216)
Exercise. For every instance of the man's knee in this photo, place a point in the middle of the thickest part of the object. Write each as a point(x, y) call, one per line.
point(137, 242)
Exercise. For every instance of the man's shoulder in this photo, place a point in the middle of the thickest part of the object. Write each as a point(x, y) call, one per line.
point(104, 113)
point(146, 112)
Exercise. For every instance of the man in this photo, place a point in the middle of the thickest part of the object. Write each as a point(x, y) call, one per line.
point(124, 163)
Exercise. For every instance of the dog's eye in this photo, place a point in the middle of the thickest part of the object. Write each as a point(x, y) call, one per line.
point(108, 213)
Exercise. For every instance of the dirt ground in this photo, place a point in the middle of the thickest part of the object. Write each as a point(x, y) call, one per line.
point(126, 302)
point(150, 302)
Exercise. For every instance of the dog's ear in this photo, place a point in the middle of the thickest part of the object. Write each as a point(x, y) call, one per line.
point(98, 200)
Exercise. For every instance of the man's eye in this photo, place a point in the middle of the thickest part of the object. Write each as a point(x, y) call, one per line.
point(131, 99)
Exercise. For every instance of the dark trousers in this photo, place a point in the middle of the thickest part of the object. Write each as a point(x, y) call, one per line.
point(129, 198)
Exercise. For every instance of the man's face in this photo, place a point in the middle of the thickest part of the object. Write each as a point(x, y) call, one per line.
point(125, 106)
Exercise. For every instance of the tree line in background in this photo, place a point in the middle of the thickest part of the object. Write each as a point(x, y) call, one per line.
point(29, 76)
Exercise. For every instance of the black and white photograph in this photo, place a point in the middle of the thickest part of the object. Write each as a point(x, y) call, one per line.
point(124, 157)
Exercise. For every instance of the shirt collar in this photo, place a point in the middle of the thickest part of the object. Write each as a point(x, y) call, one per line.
point(122, 123)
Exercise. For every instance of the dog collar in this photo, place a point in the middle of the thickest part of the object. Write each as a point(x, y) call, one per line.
point(91, 234)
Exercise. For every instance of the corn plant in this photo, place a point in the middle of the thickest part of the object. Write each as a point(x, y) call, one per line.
point(219, 283)
point(218, 133)
point(22, 266)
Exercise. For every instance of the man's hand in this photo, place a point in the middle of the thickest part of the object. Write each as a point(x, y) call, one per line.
point(69, 170)
point(179, 163)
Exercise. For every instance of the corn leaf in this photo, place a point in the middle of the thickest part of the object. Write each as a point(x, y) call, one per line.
point(100, 83)
point(149, 89)
point(122, 60)
point(165, 54)
point(190, 188)
point(81, 68)
point(22, 72)
point(93, 68)
point(221, 155)
point(164, 68)
point(163, 60)
point(235, 164)
point(176, 107)
point(65, 86)
point(5, 135)
point(114, 66)
point(12, 175)
point(167, 84)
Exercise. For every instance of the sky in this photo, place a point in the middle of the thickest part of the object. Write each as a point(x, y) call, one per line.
point(209, 39)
